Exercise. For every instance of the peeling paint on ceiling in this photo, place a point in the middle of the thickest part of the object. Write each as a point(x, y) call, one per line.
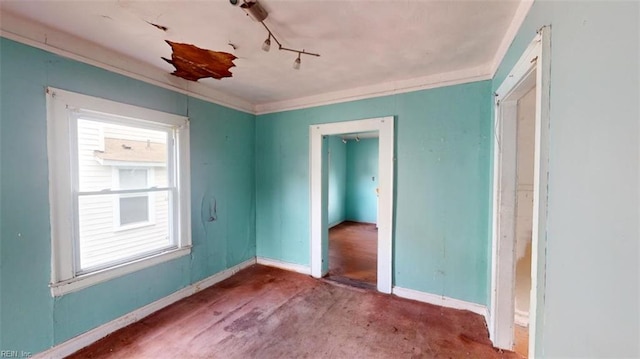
point(193, 63)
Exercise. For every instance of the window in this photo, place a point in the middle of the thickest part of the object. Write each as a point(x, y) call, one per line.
point(133, 208)
point(119, 188)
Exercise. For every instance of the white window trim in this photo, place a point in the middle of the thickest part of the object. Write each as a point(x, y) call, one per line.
point(60, 105)
point(151, 198)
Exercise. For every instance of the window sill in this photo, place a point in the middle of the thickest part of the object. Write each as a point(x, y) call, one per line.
point(87, 280)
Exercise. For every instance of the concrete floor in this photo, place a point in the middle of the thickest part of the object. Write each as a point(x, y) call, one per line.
point(264, 312)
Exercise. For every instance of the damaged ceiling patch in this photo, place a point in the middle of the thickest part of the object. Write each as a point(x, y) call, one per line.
point(159, 27)
point(193, 63)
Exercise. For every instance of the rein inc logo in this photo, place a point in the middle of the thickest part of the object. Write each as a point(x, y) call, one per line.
point(14, 354)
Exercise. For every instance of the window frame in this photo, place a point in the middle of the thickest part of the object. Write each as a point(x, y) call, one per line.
point(63, 108)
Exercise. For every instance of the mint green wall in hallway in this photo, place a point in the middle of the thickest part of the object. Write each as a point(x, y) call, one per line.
point(441, 241)
point(222, 168)
point(337, 180)
point(362, 180)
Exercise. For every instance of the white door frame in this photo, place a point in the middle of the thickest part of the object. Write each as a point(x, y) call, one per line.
point(318, 193)
point(533, 69)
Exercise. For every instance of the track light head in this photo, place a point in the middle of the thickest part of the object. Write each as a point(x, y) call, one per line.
point(255, 10)
point(266, 45)
point(296, 63)
point(344, 140)
point(357, 138)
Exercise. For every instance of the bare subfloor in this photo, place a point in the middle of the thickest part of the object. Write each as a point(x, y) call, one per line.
point(265, 312)
point(353, 253)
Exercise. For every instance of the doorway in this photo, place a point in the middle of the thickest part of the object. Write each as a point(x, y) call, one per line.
point(353, 208)
point(519, 200)
point(319, 191)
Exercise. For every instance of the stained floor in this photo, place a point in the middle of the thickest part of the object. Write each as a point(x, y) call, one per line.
point(353, 253)
point(264, 312)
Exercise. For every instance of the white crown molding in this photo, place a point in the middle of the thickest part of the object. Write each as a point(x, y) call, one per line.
point(292, 267)
point(43, 37)
point(512, 31)
point(383, 89)
point(442, 301)
point(74, 344)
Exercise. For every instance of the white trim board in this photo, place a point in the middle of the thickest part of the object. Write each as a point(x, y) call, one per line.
point(60, 43)
point(318, 192)
point(292, 267)
point(378, 90)
point(74, 344)
point(532, 69)
point(521, 318)
point(441, 301)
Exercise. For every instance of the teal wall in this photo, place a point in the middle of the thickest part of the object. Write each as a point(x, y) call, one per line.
point(591, 306)
point(222, 167)
point(443, 137)
point(362, 180)
point(337, 180)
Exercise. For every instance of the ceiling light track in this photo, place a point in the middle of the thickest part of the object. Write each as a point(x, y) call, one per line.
point(259, 14)
point(280, 47)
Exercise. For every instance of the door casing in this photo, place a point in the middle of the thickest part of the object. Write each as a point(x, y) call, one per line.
point(532, 69)
point(319, 193)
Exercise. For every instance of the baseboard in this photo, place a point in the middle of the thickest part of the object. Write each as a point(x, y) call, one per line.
point(521, 318)
point(337, 223)
point(74, 344)
point(442, 301)
point(299, 268)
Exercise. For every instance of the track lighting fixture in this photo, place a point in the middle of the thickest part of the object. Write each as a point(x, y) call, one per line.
point(259, 14)
point(357, 138)
point(266, 45)
point(296, 63)
point(344, 140)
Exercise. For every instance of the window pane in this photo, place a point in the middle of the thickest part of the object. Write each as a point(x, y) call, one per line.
point(103, 241)
point(132, 178)
point(103, 147)
point(134, 210)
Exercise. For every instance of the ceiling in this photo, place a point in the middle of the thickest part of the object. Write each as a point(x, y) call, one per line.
point(361, 43)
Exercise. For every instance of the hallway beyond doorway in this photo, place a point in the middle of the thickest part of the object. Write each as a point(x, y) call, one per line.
point(353, 254)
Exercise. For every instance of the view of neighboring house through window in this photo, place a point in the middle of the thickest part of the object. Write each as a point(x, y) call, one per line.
point(132, 160)
point(120, 195)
